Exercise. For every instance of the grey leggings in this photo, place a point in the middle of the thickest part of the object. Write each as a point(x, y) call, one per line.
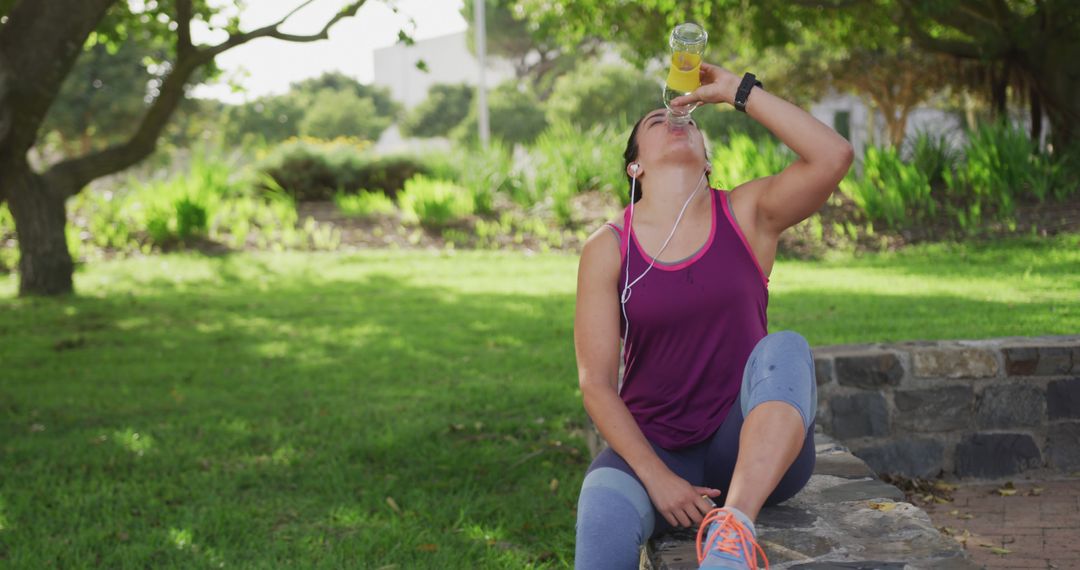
point(615, 516)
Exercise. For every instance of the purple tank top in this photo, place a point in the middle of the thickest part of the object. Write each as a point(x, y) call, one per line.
point(692, 327)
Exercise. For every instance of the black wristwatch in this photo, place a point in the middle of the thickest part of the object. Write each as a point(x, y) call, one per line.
point(743, 93)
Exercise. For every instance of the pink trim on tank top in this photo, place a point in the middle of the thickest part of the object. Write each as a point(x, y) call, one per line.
point(738, 230)
point(700, 252)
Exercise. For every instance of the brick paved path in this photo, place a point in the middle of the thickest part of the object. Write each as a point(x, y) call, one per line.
point(1032, 528)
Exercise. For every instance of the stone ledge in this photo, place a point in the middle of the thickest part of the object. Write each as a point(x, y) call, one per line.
point(832, 523)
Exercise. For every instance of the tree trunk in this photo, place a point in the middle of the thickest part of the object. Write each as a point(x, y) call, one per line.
point(1036, 116)
point(45, 265)
point(999, 85)
point(1058, 81)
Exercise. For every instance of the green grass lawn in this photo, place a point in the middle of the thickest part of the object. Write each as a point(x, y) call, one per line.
point(386, 409)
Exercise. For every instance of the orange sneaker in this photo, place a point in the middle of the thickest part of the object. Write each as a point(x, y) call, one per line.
point(728, 543)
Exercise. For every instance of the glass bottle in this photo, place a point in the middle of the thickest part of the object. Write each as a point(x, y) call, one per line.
point(687, 43)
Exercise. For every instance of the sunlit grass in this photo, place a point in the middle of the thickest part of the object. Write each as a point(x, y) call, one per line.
point(363, 410)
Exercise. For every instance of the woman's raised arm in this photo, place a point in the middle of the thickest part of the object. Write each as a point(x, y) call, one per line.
point(787, 198)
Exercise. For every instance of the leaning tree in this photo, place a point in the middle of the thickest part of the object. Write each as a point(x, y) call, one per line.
point(39, 44)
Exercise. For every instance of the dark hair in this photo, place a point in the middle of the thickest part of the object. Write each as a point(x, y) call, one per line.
point(629, 156)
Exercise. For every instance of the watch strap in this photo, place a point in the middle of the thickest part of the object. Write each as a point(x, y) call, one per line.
point(749, 81)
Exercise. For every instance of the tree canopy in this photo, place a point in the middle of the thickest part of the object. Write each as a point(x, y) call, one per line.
point(1033, 40)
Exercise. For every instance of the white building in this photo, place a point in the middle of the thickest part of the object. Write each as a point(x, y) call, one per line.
point(850, 117)
point(448, 60)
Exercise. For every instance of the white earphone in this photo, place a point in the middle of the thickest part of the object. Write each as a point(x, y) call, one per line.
point(627, 284)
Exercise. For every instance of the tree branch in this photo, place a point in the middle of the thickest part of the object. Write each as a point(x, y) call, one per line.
point(73, 174)
point(957, 48)
point(272, 31)
point(183, 23)
point(978, 11)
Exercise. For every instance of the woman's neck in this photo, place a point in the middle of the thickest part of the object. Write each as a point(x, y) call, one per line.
point(669, 189)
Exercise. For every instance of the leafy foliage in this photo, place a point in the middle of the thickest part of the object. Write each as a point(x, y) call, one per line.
point(997, 168)
point(890, 189)
point(101, 97)
point(515, 115)
point(595, 94)
point(364, 203)
point(308, 169)
point(332, 114)
point(434, 202)
point(329, 106)
point(444, 108)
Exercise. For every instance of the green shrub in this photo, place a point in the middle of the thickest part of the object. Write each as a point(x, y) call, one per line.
point(179, 208)
point(934, 157)
point(315, 170)
point(434, 203)
point(190, 218)
point(389, 174)
point(308, 169)
point(566, 160)
point(7, 222)
point(212, 198)
point(997, 167)
point(743, 158)
point(486, 172)
point(364, 203)
point(890, 190)
point(1001, 167)
point(9, 256)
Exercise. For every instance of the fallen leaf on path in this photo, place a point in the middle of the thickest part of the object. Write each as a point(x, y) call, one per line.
point(1035, 491)
point(943, 486)
point(882, 506)
point(1000, 551)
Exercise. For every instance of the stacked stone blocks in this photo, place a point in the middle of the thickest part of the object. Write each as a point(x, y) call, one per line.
point(989, 409)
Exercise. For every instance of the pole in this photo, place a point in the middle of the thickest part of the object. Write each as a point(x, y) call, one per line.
point(481, 88)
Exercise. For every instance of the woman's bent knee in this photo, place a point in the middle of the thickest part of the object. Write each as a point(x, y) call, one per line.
point(781, 368)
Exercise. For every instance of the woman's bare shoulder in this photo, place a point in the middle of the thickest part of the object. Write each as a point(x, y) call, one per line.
point(602, 248)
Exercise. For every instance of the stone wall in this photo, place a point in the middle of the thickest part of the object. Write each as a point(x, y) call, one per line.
point(988, 408)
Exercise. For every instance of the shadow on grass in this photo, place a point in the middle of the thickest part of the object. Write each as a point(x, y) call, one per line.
point(316, 423)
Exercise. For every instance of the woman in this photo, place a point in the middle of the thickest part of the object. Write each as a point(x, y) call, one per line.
point(709, 407)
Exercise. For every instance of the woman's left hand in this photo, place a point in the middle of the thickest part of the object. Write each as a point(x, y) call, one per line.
point(718, 85)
